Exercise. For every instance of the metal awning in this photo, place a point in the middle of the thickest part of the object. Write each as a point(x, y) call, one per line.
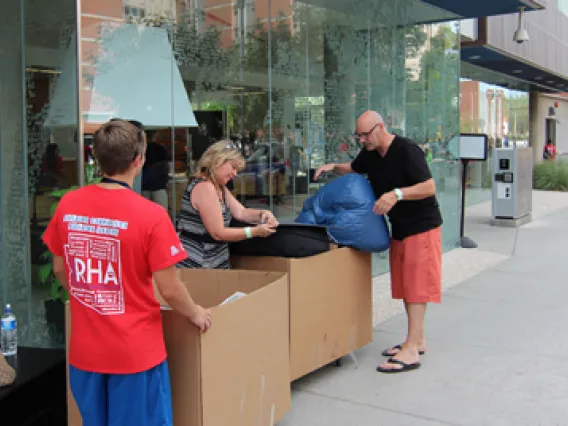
point(479, 8)
point(503, 67)
point(378, 13)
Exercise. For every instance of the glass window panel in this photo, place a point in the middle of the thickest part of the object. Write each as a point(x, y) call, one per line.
point(129, 71)
point(284, 80)
point(432, 111)
point(38, 138)
point(287, 80)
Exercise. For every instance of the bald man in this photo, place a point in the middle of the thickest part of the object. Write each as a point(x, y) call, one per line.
point(405, 191)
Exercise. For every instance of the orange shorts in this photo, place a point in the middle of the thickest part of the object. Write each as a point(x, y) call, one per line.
point(416, 267)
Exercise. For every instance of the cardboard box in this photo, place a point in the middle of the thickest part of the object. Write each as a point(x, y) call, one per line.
point(331, 304)
point(237, 373)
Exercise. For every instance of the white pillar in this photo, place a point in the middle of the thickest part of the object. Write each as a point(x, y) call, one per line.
point(537, 125)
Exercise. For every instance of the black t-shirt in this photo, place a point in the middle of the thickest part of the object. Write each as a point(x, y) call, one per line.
point(155, 175)
point(403, 165)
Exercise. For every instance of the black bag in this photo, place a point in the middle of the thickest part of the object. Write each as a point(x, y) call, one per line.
point(293, 240)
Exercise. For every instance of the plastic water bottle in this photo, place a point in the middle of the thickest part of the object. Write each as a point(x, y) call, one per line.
point(9, 332)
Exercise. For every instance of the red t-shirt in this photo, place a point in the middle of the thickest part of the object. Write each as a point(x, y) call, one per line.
point(112, 241)
point(551, 150)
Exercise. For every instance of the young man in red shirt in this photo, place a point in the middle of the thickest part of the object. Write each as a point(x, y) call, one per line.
point(108, 243)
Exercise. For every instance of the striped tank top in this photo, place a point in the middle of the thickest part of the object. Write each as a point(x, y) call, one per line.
point(202, 250)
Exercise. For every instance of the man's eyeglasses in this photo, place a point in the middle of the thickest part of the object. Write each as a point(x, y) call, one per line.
point(365, 134)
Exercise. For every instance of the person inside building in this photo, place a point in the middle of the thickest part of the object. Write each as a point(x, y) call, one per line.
point(108, 245)
point(155, 174)
point(52, 168)
point(208, 207)
point(405, 191)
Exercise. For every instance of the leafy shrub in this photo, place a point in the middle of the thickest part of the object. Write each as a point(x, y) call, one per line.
point(551, 176)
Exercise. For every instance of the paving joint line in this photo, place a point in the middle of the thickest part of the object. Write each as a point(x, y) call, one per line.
point(498, 301)
point(376, 407)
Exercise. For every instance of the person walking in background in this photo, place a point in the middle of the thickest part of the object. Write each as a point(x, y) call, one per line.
point(108, 243)
point(405, 191)
point(208, 206)
point(549, 152)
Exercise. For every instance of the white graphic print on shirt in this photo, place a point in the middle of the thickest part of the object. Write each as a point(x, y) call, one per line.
point(93, 260)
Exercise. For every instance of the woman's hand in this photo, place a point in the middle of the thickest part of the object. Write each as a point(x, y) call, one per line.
point(263, 230)
point(266, 217)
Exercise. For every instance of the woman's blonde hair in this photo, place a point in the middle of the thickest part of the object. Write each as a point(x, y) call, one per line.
point(216, 155)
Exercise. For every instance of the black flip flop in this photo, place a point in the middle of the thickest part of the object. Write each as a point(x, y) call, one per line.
point(399, 347)
point(405, 367)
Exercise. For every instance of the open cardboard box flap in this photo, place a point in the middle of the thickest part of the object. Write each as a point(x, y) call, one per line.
point(221, 284)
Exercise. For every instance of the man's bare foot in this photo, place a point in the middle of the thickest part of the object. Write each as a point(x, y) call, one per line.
point(390, 352)
point(405, 360)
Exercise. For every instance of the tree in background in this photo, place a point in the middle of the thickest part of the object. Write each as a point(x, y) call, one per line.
point(517, 110)
point(432, 104)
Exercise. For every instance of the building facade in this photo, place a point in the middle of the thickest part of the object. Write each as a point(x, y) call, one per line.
point(537, 66)
point(284, 79)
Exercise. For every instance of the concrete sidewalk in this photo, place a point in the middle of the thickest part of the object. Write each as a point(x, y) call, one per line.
point(497, 346)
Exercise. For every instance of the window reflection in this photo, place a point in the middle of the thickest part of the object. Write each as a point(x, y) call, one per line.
point(285, 81)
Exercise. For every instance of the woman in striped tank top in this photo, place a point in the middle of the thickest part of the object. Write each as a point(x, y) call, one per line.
point(208, 206)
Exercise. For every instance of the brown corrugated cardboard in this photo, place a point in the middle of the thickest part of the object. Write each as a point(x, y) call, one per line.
point(331, 304)
point(237, 373)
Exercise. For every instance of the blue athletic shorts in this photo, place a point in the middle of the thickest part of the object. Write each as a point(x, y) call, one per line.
point(141, 399)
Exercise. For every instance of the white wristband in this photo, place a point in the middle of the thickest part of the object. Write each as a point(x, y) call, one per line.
point(248, 232)
point(398, 193)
